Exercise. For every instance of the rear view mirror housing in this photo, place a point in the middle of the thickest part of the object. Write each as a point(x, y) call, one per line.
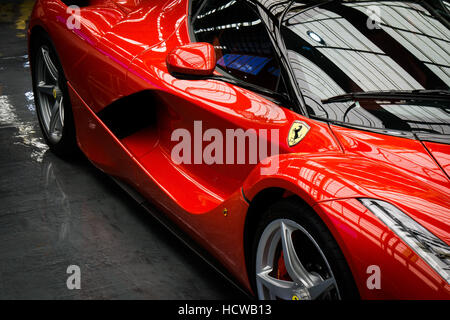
point(194, 59)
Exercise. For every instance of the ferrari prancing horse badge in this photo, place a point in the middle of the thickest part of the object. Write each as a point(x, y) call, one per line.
point(298, 131)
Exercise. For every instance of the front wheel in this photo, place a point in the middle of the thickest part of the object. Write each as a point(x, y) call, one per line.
point(296, 258)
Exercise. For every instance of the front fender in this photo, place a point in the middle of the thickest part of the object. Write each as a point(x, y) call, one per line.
point(331, 183)
point(373, 250)
point(320, 177)
point(313, 177)
point(324, 176)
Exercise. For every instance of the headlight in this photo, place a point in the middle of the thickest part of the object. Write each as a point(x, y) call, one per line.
point(430, 248)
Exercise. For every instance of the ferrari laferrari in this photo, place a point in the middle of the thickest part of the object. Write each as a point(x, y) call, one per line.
point(302, 146)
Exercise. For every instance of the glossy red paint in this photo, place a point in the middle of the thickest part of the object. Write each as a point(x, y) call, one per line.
point(198, 59)
point(368, 241)
point(122, 47)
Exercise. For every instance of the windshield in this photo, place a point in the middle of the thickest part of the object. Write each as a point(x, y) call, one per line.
point(345, 49)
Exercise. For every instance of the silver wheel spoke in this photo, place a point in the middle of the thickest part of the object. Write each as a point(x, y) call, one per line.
point(49, 96)
point(292, 280)
point(61, 112)
point(54, 116)
point(277, 288)
point(321, 288)
point(294, 267)
point(45, 88)
point(51, 68)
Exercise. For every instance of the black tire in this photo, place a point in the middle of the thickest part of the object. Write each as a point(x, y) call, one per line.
point(308, 219)
point(67, 146)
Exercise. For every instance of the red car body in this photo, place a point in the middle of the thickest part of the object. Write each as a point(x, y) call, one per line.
point(121, 49)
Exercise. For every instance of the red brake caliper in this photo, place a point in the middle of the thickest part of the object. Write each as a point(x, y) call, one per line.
point(282, 273)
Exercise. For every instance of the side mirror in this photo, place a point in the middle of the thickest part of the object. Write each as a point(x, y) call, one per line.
point(194, 59)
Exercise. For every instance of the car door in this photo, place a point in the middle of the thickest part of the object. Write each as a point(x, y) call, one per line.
point(241, 123)
point(194, 119)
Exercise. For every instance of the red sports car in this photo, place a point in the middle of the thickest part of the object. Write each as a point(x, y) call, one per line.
point(304, 145)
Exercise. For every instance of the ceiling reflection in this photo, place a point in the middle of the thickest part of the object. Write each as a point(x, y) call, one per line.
point(333, 50)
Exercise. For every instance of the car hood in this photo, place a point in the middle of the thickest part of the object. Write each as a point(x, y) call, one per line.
point(415, 179)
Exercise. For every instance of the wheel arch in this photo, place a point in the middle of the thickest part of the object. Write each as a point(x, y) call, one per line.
point(257, 206)
point(33, 34)
point(305, 180)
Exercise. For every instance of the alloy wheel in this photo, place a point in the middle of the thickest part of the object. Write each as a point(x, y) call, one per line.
point(291, 266)
point(50, 97)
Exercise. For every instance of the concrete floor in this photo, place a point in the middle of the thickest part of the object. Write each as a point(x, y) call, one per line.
point(54, 214)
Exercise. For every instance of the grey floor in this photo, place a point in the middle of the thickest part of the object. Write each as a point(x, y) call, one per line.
point(54, 214)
